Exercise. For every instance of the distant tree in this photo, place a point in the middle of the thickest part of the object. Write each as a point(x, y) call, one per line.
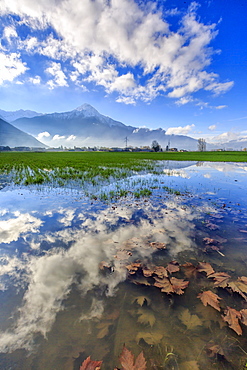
point(201, 145)
point(155, 146)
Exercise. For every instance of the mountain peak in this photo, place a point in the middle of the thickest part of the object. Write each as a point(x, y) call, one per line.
point(87, 109)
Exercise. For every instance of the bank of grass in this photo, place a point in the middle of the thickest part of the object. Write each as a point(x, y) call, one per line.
point(60, 167)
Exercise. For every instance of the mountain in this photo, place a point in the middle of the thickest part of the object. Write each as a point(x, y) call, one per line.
point(12, 116)
point(13, 137)
point(85, 126)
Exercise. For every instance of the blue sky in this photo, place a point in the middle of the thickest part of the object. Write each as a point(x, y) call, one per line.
point(179, 65)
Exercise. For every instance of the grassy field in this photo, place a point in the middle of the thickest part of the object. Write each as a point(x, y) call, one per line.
point(37, 168)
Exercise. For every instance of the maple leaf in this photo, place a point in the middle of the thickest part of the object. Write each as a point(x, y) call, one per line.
point(153, 338)
point(190, 270)
point(189, 320)
point(209, 298)
point(141, 300)
point(147, 272)
point(158, 245)
point(244, 316)
point(146, 317)
point(172, 285)
point(232, 317)
point(179, 285)
point(104, 329)
point(160, 271)
point(221, 279)
point(239, 286)
point(128, 362)
point(133, 267)
point(214, 350)
point(172, 266)
point(88, 364)
point(205, 267)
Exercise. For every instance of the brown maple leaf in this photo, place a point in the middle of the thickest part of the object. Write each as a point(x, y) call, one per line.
point(221, 279)
point(172, 285)
point(160, 271)
point(232, 317)
point(190, 270)
point(214, 350)
point(205, 267)
point(172, 266)
point(179, 285)
point(128, 361)
point(244, 316)
point(88, 364)
point(133, 267)
point(209, 298)
point(158, 245)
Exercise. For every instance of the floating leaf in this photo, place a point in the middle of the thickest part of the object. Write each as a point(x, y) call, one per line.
point(160, 271)
point(244, 316)
point(205, 267)
point(232, 317)
point(239, 286)
point(88, 364)
point(153, 338)
point(158, 245)
point(128, 362)
point(141, 300)
point(146, 317)
point(221, 279)
point(190, 270)
point(209, 298)
point(133, 267)
point(179, 285)
point(189, 320)
point(173, 266)
point(172, 285)
point(140, 281)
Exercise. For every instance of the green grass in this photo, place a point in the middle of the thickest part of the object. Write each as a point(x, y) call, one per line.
point(59, 167)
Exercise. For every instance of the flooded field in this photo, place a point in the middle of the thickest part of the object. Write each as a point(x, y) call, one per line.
point(153, 278)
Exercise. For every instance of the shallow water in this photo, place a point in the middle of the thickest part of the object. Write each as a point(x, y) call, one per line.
point(69, 288)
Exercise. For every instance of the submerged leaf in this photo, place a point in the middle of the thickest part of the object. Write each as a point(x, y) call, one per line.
point(88, 364)
point(190, 365)
point(214, 350)
point(128, 362)
point(146, 317)
point(189, 320)
point(150, 338)
point(209, 298)
point(141, 300)
point(232, 317)
point(104, 329)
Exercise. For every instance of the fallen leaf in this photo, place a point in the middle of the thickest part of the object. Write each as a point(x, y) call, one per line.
point(146, 317)
point(173, 266)
point(153, 338)
point(221, 279)
point(88, 364)
point(141, 300)
point(158, 245)
point(232, 317)
point(244, 316)
point(104, 329)
point(205, 267)
point(215, 350)
point(190, 270)
point(133, 267)
point(128, 362)
point(189, 320)
point(179, 285)
point(209, 298)
point(212, 226)
point(140, 281)
point(160, 271)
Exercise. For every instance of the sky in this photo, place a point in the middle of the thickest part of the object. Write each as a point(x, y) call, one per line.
point(178, 65)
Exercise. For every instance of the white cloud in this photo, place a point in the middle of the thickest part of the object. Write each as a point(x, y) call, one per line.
point(221, 107)
point(99, 37)
point(179, 130)
point(58, 137)
point(43, 135)
point(11, 67)
point(212, 127)
point(35, 80)
point(59, 77)
point(71, 138)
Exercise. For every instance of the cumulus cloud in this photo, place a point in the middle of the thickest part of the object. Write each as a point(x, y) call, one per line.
point(212, 127)
point(43, 135)
point(58, 137)
point(179, 130)
point(11, 66)
point(35, 80)
point(71, 138)
point(59, 77)
point(102, 42)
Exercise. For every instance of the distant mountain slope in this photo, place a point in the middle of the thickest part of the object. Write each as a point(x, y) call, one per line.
point(13, 137)
point(85, 126)
point(12, 116)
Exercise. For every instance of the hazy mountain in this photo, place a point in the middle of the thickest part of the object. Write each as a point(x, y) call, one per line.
point(85, 126)
point(13, 137)
point(12, 116)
